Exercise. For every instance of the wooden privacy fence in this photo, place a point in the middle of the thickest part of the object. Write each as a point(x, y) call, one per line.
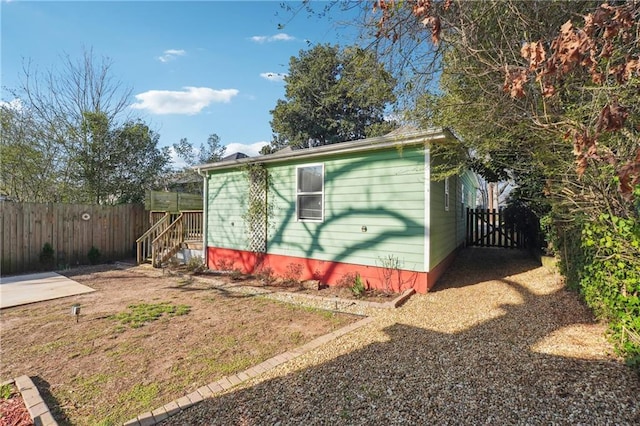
point(488, 228)
point(71, 229)
point(172, 201)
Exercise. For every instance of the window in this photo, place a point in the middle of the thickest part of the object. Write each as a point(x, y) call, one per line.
point(310, 192)
point(446, 194)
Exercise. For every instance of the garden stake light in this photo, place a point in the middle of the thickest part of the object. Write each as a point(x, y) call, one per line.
point(75, 310)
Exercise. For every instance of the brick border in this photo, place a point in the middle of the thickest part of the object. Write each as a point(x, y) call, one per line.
point(392, 304)
point(162, 413)
point(36, 406)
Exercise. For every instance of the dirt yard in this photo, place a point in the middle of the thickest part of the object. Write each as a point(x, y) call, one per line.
point(143, 340)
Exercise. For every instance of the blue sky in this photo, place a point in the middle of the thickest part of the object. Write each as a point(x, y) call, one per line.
point(195, 68)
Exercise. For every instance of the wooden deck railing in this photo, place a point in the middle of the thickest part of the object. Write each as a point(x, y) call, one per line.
point(156, 216)
point(167, 242)
point(144, 243)
point(192, 225)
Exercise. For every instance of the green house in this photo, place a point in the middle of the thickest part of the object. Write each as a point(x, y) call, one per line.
point(366, 207)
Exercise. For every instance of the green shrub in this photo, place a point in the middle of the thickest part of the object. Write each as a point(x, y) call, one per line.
point(610, 282)
point(6, 391)
point(358, 287)
point(195, 264)
point(47, 259)
point(94, 255)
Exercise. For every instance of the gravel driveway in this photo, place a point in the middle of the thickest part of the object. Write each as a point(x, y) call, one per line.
point(498, 341)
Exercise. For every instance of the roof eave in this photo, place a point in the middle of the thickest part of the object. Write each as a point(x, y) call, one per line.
point(380, 142)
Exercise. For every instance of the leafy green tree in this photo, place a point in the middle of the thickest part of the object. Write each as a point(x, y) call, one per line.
point(332, 95)
point(187, 180)
point(74, 138)
point(547, 92)
point(210, 152)
point(117, 165)
point(24, 174)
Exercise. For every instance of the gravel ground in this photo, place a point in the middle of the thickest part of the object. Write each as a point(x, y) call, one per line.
point(499, 341)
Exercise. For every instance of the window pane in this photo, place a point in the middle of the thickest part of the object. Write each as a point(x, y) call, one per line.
point(310, 179)
point(310, 207)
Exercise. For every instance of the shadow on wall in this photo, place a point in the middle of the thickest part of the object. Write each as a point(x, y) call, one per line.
point(311, 245)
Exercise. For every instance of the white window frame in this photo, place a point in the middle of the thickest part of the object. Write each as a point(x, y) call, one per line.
point(298, 193)
point(446, 194)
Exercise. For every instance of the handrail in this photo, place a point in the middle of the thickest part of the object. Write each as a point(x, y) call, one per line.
point(166, 243)
point(144, 243)
point(165, 237)
point(154, 227)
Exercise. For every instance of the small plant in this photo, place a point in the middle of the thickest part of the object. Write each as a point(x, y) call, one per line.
point(236, 275)
point(195, 264)
point(144, 313)
point(94, 255)
point(318, 275)
point(347, 280)
point(6, 391)
point(224, 265)
point(266, 276)
point(174, 263)
point(390, 265)
point(358, 287)
point(47, 259)
point(293, 274)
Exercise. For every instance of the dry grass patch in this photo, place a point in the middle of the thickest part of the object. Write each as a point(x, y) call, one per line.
point(144, 340)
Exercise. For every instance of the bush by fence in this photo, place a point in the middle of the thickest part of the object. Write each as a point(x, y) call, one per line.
point(71, 229)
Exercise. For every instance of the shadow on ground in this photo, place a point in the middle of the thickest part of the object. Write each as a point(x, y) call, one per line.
point(493, 372)
point(475, 265)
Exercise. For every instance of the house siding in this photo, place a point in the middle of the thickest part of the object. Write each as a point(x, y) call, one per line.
point(378, 203)
point(381, 190)
point(442, 232)
point(448, 228)
point(226, 205)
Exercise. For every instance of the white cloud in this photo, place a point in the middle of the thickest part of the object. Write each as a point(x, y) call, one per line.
point(281, 37)
point(171, 54)
point(189, 101)
point(251, 149)
point(276, 37)
point(273, 76)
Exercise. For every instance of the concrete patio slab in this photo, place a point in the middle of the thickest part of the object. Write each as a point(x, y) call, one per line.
point(23, 289)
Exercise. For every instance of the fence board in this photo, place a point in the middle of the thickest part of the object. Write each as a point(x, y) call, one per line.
point(26, 227)
point(489, 228)
point(172, 201)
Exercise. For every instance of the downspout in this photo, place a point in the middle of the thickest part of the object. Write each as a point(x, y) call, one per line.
point(205, 208)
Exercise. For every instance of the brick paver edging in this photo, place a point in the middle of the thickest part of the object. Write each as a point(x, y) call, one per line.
point(174, 407)
point(337, 303)
point(36, 406)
